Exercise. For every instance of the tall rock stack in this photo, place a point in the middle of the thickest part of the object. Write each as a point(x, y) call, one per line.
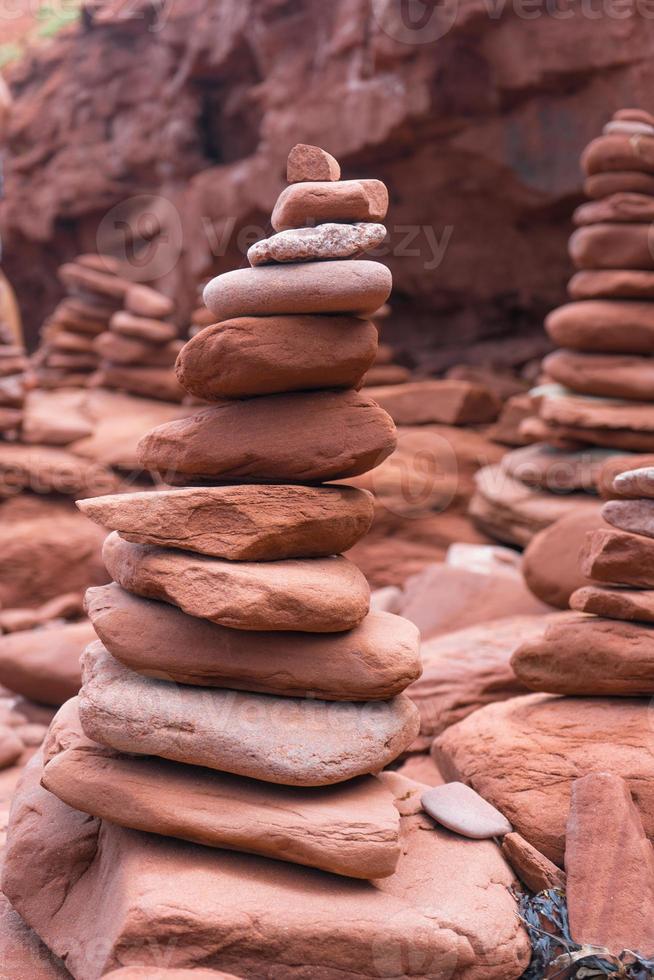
point(139, 349)
point(235, 636)
point(601, 396)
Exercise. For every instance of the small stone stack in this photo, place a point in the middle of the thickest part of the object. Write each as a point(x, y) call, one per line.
point(236, 649)
point(139, 349)
point(607, 332)
point(13, 365)
point(67, 355)
point(607, 648)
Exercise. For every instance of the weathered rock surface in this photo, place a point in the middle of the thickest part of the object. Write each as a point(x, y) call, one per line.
point(590, 656)
point(536, 871)
point(467, 669)
point(147, 973)
point(243, 523)
point(523, 756)
point(324, 595)
point(142, 380)
point(559, 471)
point(309, 287)
point(22, 954)
point(603, 375)
point(461, 810)
point(351, 829)
point(618, 603)
point(634, 478)
point(274, 438)
point(624, 206)
point(142, 328)
point(612, 246)
point(634, 516)
point(44, 469)
point(315, 203)
point(295, 742)
point(269, 354)
point(609, 865)
point(446, 402)
point(325, 241)
point(44, 664)
point(551, 560)
point(618, 558)
point(60, 864)
point(612, 283)
point(377, 659)
point(307, 162)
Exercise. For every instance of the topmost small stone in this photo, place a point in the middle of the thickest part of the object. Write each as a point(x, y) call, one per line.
point(309, 163)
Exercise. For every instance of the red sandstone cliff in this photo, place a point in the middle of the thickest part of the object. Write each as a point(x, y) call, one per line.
point(477, 133)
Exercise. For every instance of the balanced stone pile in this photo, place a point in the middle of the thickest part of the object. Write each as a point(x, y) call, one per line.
point(67, 355)
point(13, 365)
point(600, 395)
point(139, 349)
point(236, 651)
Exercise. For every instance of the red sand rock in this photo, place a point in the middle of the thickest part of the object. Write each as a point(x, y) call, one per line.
point(445, 402)
point(535, 871)
point(306, 162)
point(314, 203)
point(608, 326)
point(610, 868)
point(43, 664)
point(617, 603)
point(618, 558)
point(551, 560)
point(612, 246)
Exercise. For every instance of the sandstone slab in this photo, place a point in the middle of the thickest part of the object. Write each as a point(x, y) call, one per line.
point(119, 349)
point(586, 655)
point(305, 437)
point(45, 469)
point(618, 181)
point(307, 162)
point(634, 479)
point(143, 380)
point(328, 241)
point(270, 354)
point(612, 246)
point(309, 287)
point(242, 523)
point(608, 326)
point(144, 301)
point(44, 664)
point(142, 328)
point(609, 865)
point(551, 559)
point(623, 206)
point(618, 152)
point(623, 604)
point(322, 595)
point(612, 284)
point(461, 810)
point(467, 669)
point(603, 375)
point(523, 756)
point(61, 866)
point(618, 558)
point(635, 516)
point(579, 412)
point(22, 954)
point(533, 869)
point(351, 829)
point(556, 470)
point(447, 402)
point(291, 741)
point(318, 202)
point(377, 659)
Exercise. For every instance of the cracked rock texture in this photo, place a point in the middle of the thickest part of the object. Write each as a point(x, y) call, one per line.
point(252, 916)
point(478, 136)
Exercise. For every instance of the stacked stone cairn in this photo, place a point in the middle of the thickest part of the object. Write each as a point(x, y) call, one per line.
point(138, 350)
point(67, 356)
point(604, 652)
point(13, 365)
point(241, 694)
point(598, 393)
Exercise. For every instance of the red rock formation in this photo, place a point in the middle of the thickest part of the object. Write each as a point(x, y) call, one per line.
point(477, 134)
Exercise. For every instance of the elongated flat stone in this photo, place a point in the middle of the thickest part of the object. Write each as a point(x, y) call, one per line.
point(304, 437)
point(307, 162)
point(609, 864)
point(377, 659)
point(603, 375)
point(321, 595)
point(463, 811)
point(617, 207)
point(618, 152)
point(618, 558)
point(265, 355)
point(351, 829)
point(612, 283)
point(589, 656)
point(317, 202)
point(292, 741)
point(242, 523)
point(608, 326)
point(612, 246)
point(635, 516)
point(634, 605)
point(328, 241)
point(142, 328)
point(307, 287)
point(637, 482)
